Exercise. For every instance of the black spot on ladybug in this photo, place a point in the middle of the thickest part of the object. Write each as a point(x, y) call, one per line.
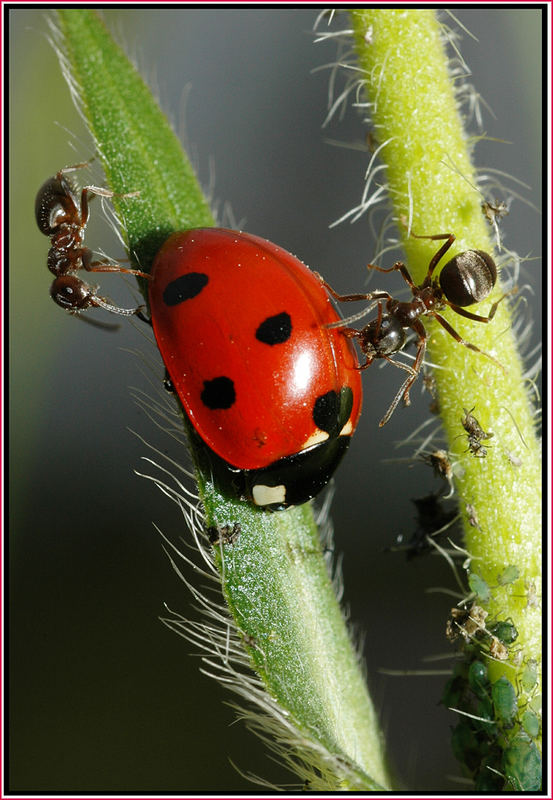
point(331, 411)
point(185, 287)
point(218, 393)
point(325, 412)
point(275, 329)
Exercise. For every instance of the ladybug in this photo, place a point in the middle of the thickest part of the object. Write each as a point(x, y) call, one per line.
point(271, 391)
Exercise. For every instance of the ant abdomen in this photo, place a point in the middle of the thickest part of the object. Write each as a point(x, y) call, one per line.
point(54, 204)
point(468, 278)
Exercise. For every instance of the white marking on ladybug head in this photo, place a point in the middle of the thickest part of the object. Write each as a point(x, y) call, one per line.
point(267, 495)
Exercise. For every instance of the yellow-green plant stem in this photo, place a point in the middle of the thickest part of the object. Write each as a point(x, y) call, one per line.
point(274, 577)
point(404, 69)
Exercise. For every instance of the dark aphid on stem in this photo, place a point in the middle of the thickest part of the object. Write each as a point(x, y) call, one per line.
point(224, 534)
point(475, 434)
point(62, 216)
point(439, 461)
point(467, 278)
point(494, 210)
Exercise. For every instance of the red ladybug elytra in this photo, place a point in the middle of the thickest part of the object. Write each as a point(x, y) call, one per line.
point(271, 390)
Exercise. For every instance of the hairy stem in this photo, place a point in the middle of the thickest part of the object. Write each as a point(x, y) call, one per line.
point(431, 180)
point(274, 576)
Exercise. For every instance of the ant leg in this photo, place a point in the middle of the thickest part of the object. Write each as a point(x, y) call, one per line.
point(436, 258)
point(75, 167)
point(342, 298)
point(477, 317)
point(98, 190)
point(434, 237)
point(405, 388)
point(405, 367)
point(105, 266)
point(353, 333)
point(399, 266)
point(462, 341)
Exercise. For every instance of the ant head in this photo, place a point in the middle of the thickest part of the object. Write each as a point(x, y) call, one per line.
point(72, 293)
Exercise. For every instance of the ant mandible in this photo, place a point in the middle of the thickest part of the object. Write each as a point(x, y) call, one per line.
point(61, 216)
point(467, 278)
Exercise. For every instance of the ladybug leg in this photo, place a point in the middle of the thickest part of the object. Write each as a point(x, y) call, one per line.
point(462, 341)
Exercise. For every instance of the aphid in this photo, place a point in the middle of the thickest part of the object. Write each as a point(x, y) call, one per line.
point(509, 575)
point(531, 723)
point(498, 650)
point(522, 764)
point(475, 434)
point(472, 517)
point(530, 675)
point(467, 278)
point(270, 386)
point(465, 622)
point(440, 463)
point(494, 210)
point(224, 534)
point(504, 701)
point(62, 216)
point(478, 678)
point(505, 631)
point(429, 382)
point(478, 585)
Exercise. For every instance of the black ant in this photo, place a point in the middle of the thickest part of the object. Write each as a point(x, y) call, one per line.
point(467, 278)
point(63, 217)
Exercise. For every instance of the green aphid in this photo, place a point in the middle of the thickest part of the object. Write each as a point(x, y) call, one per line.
point(536, 703)
point(478, 678)
point(480, 588)
point(509, 575)
point(529, 677)
point(522, 765)
point(531, 724)
point(505, 631)
point(504, 701)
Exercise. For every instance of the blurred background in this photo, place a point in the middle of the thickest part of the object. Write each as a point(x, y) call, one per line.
point(103, 697)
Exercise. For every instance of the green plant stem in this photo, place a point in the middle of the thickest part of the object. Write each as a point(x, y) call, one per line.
point(274, 577)
point(414, 109)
